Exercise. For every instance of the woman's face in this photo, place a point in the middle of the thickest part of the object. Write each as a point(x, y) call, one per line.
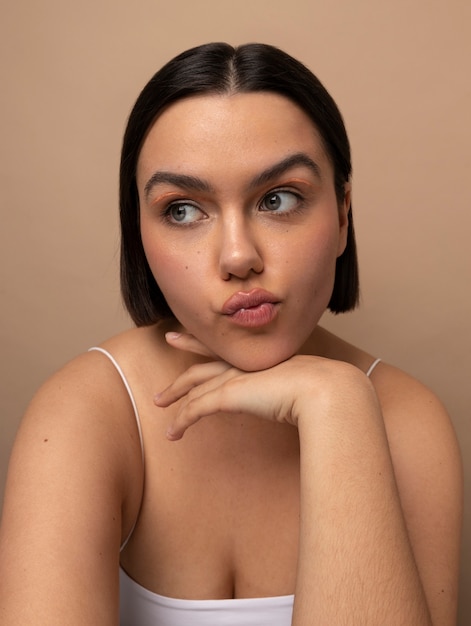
point(240, 223)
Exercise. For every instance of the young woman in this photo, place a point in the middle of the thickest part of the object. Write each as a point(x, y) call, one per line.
point(228, 458)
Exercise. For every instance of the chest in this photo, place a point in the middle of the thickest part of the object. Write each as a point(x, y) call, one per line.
point(220, 511)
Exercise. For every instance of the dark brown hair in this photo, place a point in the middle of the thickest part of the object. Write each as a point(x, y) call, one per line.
point(219, 68)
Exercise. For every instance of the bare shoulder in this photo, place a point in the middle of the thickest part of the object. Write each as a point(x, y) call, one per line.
point(73, 486)
point(414, 416)
point(421, 437)
point(83, 398)
point(423, 443)
point(408, 406)
point(427, 465)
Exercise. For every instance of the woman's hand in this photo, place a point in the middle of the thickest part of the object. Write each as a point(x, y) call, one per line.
point(282, 393)
point(356, 557)
point(208, 388)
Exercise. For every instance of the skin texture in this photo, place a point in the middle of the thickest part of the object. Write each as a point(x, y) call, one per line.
point(272, 464)
point(229, 243)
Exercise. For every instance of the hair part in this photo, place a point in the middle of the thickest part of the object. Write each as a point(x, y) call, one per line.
point(218, 68)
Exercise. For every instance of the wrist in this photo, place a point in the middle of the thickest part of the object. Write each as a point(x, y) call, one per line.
point(334, 393)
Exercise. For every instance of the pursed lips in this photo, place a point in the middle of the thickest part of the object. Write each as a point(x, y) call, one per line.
point(242, 300)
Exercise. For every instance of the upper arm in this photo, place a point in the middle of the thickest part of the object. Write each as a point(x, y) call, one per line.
point(427, 465)
point(67, 485)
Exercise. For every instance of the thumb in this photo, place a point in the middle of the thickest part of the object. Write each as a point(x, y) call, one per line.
point(189, 343)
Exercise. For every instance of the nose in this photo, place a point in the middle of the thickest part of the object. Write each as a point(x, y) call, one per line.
point(239, 252)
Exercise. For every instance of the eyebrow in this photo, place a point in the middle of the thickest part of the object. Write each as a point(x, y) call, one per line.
point(193, 183)
point(293, 160)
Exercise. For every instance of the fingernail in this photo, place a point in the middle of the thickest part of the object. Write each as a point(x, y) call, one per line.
point(172, 335)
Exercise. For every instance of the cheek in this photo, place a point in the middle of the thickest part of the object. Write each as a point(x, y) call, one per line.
point(175, 273)
point(314, 256)
point(312, 275)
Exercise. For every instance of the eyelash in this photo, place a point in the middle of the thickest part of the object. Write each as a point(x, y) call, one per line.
point(300, 205)
point(300, 202)
point(166, 213)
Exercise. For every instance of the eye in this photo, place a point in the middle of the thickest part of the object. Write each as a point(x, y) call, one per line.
point(280, 201)
point(183, 213)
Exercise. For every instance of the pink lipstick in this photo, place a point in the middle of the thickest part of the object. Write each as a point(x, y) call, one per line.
point(253, 309)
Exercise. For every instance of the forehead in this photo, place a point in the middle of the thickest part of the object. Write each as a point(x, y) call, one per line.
point(246, 131)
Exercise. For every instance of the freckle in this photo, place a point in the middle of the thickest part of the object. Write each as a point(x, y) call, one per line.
point(45, 440)
point(186, 267)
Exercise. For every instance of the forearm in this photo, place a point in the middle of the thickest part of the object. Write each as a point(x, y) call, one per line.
point(355, 561)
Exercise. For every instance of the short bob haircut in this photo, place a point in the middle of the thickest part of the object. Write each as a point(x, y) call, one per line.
point(218, 68)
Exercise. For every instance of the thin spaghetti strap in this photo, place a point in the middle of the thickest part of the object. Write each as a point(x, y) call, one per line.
point(128, 389)
point(136, 415)
point(372, 366)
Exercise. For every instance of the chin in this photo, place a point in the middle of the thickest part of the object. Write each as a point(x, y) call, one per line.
point(256, 360)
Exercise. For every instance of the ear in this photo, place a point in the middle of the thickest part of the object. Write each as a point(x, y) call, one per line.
point(344, 216)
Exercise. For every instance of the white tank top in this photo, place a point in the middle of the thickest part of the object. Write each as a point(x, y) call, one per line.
point(141, 607)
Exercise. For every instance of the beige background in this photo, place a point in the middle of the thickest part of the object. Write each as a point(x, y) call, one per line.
point(401, 74)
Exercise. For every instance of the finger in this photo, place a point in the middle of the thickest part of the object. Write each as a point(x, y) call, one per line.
point(200, 404)
point(193, 377)
point(229, 393)
point(189, 343)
